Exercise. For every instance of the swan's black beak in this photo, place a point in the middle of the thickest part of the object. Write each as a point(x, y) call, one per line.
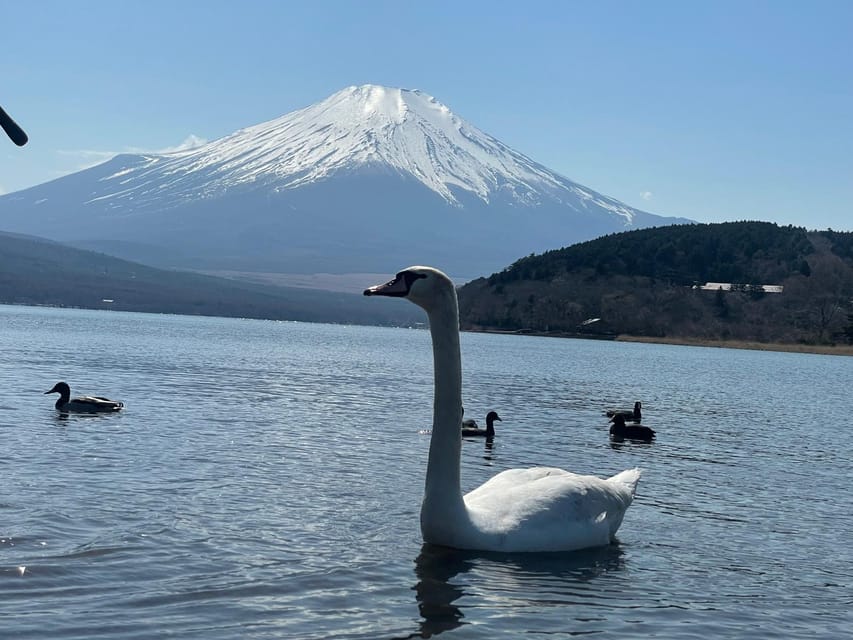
point(396, 288)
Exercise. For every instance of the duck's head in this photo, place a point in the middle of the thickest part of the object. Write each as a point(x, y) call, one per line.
point(618, 420)
point(424, 286)
point(491, 416)
point(61, 388)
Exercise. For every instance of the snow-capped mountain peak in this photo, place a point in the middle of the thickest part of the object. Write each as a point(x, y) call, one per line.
point(405, 130)
point(322, 189)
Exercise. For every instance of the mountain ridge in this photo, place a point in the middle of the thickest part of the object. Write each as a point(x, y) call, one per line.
point(330, 178)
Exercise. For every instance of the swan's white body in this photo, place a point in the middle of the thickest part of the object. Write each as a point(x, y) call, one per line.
point(537, 509)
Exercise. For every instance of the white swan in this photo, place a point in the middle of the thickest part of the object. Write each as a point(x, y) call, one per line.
point(537, 509)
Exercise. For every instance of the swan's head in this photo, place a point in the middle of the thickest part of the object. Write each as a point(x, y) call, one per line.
point(61, 388)
point(424, 286)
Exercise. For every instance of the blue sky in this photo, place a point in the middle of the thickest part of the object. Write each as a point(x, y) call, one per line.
point(709, 110)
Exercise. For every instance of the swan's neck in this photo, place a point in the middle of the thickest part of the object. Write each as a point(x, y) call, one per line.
point(443, 492)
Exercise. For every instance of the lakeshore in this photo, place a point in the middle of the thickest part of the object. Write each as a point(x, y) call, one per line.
point(821, 349)
point(818, 349)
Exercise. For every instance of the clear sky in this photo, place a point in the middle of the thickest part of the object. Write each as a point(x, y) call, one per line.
point(712, 110)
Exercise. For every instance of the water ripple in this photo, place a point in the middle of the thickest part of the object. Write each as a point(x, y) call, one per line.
point(265, 482)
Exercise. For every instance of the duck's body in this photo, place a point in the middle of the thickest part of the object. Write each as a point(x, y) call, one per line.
point(619, 430)
point(471, 429)
point(82, 404)
point(634, 415)
point(536, 509)
point(468, 423)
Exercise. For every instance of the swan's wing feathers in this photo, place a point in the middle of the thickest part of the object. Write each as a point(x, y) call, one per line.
point(630, 477)
point(510, 480)
point(548, 506)
point(523, 493)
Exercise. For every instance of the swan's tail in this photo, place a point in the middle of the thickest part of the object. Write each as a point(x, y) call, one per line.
point(628, 477)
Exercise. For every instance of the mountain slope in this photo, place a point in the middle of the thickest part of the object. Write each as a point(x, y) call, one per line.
point(38, 271)
point(368, 179)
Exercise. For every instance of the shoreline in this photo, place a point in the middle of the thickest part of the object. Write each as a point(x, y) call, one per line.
point(817, 349)
point(787, 347)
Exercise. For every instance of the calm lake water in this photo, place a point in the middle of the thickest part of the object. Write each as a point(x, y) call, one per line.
point(265, 479)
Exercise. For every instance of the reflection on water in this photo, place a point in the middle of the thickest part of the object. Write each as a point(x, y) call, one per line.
point(619, 443)
point(435, 567)
point(66, 416)
point(489, 446)
point(539, 578)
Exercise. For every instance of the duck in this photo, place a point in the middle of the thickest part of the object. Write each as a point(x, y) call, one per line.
point(537, 509)
point(619, 431)
point(82, 404)
point(471, 428)
point(470, 422)
point(635, 415)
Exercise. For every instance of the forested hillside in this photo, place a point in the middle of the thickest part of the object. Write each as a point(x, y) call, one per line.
point(649, 283)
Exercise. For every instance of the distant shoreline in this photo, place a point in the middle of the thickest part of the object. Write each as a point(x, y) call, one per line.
point(819, 349)
point(828, 350)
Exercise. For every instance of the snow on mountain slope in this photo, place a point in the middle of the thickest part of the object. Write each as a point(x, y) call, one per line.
point(404, 130)
point(363, 181)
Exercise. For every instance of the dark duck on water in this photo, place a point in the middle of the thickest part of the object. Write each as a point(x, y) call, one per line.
point(82, 404)
point(619, 430)
point(470, 428)
point(636, 415)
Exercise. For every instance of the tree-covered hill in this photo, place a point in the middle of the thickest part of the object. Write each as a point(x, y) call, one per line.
point(38, 271)
point(648, 283)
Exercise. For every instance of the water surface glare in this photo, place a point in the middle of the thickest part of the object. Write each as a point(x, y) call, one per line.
point(265, 481)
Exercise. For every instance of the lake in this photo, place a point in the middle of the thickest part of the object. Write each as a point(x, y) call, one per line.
point(265, 479)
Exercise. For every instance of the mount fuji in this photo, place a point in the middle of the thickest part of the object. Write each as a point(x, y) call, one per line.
point(368, 180)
